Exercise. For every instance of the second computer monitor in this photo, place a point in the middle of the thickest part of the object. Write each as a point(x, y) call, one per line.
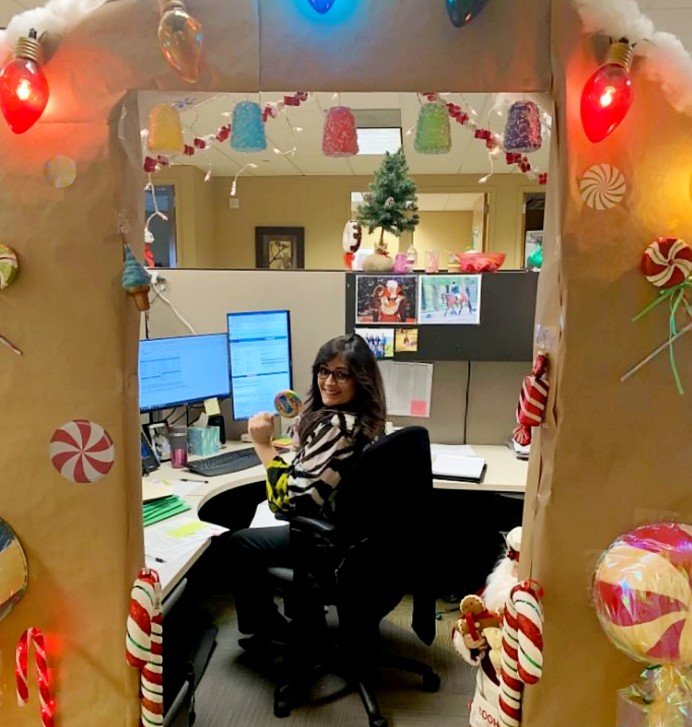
point(259, 347)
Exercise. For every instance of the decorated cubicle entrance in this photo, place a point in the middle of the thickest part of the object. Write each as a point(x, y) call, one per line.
point(610, 454)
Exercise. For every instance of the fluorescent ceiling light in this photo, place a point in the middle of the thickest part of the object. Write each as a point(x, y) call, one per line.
point(379, 140)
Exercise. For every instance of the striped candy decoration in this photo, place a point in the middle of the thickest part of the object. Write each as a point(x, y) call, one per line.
point(667, 262)
point(643, 593)
point(534, 394)
point(522, 649)
point(144, 642)
point(34, 637)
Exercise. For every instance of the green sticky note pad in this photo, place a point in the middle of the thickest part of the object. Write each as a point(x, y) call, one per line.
point(187, 529)
point(211, 407)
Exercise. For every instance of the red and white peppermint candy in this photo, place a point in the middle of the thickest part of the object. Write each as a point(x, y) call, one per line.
point(81, 451)
point(34, 637)
point(667, 262)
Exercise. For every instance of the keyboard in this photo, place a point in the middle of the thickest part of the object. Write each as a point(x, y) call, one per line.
point(223, 464)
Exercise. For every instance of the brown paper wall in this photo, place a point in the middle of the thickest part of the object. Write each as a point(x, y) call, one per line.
point(613, 455)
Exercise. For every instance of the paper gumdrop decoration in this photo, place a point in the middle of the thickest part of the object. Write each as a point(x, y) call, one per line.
point(433, 133)
point(180, 39)
point(322, 6)
point(607, 95)
point(340, 138)
point(523, 128)
point(136, 280)
point(164, 131)
point(247, 129)
point(23, 87)
point(462, 12)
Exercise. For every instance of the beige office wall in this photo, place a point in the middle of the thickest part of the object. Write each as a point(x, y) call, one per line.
point(194, 214)
point(322, 205)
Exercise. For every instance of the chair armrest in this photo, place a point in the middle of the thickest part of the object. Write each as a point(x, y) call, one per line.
point(313, 524)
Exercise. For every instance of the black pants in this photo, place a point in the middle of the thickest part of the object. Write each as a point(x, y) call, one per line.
point(252, 551)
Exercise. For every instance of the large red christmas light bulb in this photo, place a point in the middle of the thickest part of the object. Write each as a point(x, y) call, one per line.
point(23, 87)
point(607, 95)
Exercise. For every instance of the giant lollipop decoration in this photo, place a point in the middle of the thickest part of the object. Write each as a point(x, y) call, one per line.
point(643, 597)
point(667, 265)
point(288, 406)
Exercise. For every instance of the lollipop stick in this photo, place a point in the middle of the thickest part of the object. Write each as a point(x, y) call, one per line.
point(655, 353)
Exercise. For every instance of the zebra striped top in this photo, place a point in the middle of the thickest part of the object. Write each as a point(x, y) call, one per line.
point(306, 485)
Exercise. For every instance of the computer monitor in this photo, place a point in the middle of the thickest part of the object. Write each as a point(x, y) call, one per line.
point(182, 370)
point(259, 348)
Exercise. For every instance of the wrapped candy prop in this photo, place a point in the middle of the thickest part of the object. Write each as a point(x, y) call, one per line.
point(531, 407)
point(643, 600)
point(667, 264)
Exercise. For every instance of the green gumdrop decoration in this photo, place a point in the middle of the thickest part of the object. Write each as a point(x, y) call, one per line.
point(433, 132)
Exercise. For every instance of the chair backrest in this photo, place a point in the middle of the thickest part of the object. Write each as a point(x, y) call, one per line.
point(383, 508)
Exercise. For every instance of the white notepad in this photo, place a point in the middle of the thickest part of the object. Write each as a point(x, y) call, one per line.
point(464, 468)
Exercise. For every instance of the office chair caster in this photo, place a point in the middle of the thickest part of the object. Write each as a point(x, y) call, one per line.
point(378, 721)
point(282, 708)
point(431, 682)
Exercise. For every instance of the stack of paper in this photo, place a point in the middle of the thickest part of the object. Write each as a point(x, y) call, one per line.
point(163, 508)
point(167, 541)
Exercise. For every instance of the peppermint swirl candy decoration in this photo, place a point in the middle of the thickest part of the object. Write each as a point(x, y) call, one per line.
point(667, 262)
point(81, 451)
point(602, 187)
point(9, 265)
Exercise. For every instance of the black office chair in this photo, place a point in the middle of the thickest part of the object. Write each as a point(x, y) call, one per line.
point(372, 552)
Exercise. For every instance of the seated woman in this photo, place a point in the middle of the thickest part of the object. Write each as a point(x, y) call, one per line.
point(344, 412)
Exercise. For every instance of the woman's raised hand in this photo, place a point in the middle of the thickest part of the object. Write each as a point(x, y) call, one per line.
point(260, 427)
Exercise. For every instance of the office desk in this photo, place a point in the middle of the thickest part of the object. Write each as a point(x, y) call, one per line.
point(504, 473)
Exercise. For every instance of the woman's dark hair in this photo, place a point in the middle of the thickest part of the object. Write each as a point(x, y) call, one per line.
point(369, 402)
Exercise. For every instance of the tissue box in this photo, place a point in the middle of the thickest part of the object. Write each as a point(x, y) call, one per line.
point(203, 440)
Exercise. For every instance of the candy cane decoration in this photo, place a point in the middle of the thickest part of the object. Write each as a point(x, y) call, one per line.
point(144, 644)
point(34, 637)
point(522, 649)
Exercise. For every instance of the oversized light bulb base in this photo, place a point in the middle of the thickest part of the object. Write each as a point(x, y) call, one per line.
point(23, 87)
point(322, 6)
point(180, 39)
point(608, 94)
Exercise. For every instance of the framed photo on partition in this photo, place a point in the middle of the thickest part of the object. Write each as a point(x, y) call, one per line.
point(450, 299)
point(385, 299)
point(280, 248)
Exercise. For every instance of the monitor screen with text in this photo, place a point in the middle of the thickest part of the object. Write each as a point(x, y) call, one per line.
point(259, 348)
point(182, 370)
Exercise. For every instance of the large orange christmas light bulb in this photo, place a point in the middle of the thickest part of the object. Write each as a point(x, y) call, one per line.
point(607, 95)
point(23, 87)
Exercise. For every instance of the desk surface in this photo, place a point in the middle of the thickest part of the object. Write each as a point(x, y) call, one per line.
point(504, 473)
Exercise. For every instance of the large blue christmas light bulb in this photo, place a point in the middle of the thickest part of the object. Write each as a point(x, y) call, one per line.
point(322, 6)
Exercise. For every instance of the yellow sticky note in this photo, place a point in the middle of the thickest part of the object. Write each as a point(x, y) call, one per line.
point(211, 407)
point(188, 529)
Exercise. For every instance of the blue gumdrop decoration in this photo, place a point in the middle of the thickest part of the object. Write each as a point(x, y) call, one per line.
point(462, 12)
point(247, 128)
point(322, 6)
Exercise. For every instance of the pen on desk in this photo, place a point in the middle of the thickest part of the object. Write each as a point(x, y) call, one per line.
point(159, 560)
point(186, 479)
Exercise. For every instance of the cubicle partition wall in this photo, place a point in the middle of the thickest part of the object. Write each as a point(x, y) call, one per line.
point(321, 305)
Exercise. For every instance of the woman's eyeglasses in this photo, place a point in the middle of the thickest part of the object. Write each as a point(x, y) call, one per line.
point(341, 376)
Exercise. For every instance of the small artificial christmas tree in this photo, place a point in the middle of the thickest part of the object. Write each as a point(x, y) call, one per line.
point(391, 203)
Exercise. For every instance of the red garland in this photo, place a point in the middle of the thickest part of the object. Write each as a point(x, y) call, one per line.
point(270, 111)
point(511, 157)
